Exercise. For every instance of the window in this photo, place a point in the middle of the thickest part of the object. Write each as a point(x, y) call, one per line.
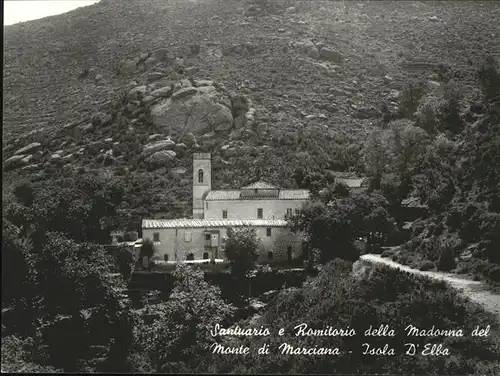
point(259, 213)
point(156, 236)
point(200, 176)
point(268, 231)
point(289, 212)
point(187, 236)
point(190, 257)
point(207, 236)
point(205, 255)
point(297, 211)
point(289, 252)
point(224, 214)
point(165, 257)
point(270, 255)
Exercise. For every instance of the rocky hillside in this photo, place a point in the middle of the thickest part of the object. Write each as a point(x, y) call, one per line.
point(130, 89)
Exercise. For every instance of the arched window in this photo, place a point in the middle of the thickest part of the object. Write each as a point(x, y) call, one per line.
point(200, 176)
point(205, 255)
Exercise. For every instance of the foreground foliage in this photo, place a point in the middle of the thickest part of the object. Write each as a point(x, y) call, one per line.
point(370, 297)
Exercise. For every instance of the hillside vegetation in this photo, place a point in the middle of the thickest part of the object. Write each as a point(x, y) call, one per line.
point(105, 106)
point(67, 78)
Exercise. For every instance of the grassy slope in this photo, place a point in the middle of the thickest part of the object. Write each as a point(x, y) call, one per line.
point(43, 59)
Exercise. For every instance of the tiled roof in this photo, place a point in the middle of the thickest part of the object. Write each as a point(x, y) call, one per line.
point(294, 194)
point(260, 185)
point(351, 183)
point(223, 195)
point(197, 223)
point(284, 194)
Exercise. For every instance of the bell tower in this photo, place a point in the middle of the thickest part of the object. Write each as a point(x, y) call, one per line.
point(202, 182)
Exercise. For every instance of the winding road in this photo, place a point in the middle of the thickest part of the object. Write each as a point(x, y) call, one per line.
point(476, 291)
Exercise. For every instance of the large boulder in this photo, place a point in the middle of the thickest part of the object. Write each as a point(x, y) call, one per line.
point(330, 55)
point(184, 92)
point(161, 157)
point(162, 92)
point(163, 54)
point(307, 48)
point(16, 161)
point(221, 119)
point(155, 76)
point(128, 67)
point(240, 104)
point(101, 119)
point(28, 148)
point(150, 62)
point(136, 93)
point(156, 147)
point(367, 113)
point(196, 110)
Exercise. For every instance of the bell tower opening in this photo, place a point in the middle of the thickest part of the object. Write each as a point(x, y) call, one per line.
point(202, 182)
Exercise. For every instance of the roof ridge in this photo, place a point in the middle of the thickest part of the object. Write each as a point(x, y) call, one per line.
point(260, 184)
point(215, 222)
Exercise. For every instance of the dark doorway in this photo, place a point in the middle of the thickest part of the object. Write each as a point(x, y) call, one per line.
point(289, 253)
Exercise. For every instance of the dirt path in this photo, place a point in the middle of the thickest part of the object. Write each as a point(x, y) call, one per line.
point(474, 290)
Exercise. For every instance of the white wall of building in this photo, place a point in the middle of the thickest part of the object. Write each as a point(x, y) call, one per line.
point(178, 243)
point(247, 209)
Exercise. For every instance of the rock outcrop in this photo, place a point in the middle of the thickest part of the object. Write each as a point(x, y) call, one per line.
point(156, 147)
point(161, 157)
point(16, 161)
point(330, 55)
point(28, 148)
point(200, 109)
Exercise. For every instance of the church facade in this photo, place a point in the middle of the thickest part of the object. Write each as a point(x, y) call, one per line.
point(259, 205)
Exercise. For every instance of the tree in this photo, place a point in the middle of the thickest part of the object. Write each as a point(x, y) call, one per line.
point(148, 248)
point(178, 339)
point(451, 110)
point(489, 78)
point(16, 358)
point(337, 189)
point(124, 258)
point(83, 211)
point(241, 249)
point(333, 227)
point(16, 277)
point(410, 99)
point(72, 276)
point(24, 194)
point(376, 154)
point(407, 144)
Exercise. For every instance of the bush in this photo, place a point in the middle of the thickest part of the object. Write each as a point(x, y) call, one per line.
point(378, 296)
point(446, 260)
point(131, 236)
point(494, 274)
point(388, 253)
point(426, 265)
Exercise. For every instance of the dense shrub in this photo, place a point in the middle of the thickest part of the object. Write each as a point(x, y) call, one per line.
point(494, 274)
point(446, 261)
point(426, 265)
point(371, 297)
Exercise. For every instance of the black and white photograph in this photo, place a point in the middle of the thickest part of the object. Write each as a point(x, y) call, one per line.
point(251, 187)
